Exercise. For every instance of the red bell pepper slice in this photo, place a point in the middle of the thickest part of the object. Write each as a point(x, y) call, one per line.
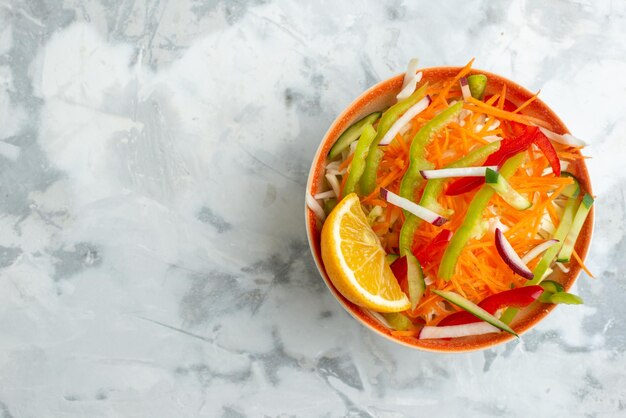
point(517, 298)
point(549, 152)
point(509, 147)
point(541, 140)
point(426, 254)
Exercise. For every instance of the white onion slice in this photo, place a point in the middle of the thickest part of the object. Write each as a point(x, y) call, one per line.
point(510, 257)
point(411, 69)
point(417, 210)
point(409, 89)
point(562, 267)
point(495, 125)
point(334, 183)
point(377, 317)
point(467, 93)
point(538, 250)
point(454, 331)
point(413, 111)
point(565, 139)
point(315, 207)
point(325, 195)
point(457, 172)
point(492, 138)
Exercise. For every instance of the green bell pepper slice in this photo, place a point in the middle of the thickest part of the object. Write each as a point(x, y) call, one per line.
point(357, 166)
point(412, 179)
point(433, 190)
point(390, 116)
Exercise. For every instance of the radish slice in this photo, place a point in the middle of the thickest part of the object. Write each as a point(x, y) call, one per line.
point(538, 250)
point(565, 139)
point(413, 111)
point(454, 331)
point(456, 172)
point(315, 207)
point(417, 210)
point(510, 257)
point(467, 93)
point(411, 69)
point(410, 87)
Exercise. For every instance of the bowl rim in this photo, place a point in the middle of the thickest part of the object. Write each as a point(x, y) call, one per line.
point(344, 120)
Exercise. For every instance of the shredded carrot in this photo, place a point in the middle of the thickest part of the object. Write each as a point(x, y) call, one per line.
point(347, 162)
point(527, 102)
point(407, 333)
point(502, 97)
point(580, 262)
point(477, 105)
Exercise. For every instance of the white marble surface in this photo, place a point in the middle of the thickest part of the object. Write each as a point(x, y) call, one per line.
point(153, 259)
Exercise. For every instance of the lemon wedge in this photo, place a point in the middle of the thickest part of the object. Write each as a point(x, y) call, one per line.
point(355, 260)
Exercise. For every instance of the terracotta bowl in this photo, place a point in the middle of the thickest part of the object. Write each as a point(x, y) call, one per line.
point(381, 96)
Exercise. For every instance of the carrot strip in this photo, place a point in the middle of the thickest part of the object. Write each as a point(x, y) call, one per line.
point(407, 333)
point(502, 114)
point(580, 261)
point(527, 102)
point(444, 91)
point(346, 163)
point(502, 97)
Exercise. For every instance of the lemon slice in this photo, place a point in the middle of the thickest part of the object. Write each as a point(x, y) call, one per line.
point(355, 260)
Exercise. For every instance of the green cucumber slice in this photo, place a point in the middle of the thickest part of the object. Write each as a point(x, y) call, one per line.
point(566, 298)
point(474, 309)
point(390, 258)
point(415, 280)
point(549, 288)
point(577, 225)
point(352, 134)
point(477, 84)
point(505, 191)
point(572, 190)
point(398, 321)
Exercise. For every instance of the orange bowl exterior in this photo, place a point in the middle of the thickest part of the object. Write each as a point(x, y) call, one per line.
point(381, 96)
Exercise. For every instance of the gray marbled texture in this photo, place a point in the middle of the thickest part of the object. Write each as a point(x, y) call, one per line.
point(153, 158)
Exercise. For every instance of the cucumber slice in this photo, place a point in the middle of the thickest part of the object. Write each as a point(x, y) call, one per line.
point(477, 84)
point(566, 298)
point(505, 191)
point(415, 280)
point(577, 224)
point(390, 258)
point(474, 309)
point(352, 134)
point(549, 288)
point(572, 190)
point(398, 321)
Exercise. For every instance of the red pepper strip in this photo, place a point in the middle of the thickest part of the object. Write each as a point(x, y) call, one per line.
point(518, 298)
point(541, 140)
point(510, 147)
point(548, 150)
point(426, 254)
point(399, 269)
